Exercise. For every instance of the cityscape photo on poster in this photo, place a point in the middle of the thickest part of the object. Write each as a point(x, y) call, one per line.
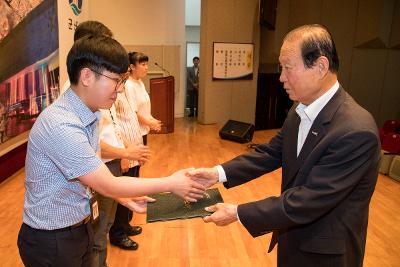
point(29, 69)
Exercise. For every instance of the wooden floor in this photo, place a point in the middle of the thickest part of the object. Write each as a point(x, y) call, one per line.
point(194, 243)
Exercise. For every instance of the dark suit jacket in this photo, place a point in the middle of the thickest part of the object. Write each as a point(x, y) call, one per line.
point(321, 216)
point(192, 78)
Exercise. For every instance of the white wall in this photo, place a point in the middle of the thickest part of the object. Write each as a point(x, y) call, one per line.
point(192, 12)
point(147, 23)
point(66, 35)
point(193, 34)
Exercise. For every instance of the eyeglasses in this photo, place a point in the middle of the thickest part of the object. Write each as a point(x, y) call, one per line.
point(119, 81)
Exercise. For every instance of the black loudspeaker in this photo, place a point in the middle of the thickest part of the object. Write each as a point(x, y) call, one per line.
point(237, 131)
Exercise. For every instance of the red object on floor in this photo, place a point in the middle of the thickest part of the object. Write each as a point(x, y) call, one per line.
point(391, 143)
point(12, 162)
point(391, 126)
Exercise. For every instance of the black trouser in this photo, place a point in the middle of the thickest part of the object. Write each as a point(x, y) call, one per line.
point(123, 215)
point(144, 139)
point(193, 101)
point(63, 247)
point(144, 143)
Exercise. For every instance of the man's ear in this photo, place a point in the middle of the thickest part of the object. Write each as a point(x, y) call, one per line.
point(86, 77)
point(322, 65)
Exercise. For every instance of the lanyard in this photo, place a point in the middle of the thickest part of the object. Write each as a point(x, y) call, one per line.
point(119, 136)
point(116, 128)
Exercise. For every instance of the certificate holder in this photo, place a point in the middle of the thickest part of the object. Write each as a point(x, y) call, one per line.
point(169, 206)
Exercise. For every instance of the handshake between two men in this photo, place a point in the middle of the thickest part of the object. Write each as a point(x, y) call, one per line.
point(191, 185)
point(223, 213)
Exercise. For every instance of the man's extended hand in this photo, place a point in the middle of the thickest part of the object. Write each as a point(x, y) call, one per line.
point(223, 215)
point(185, 186)
point(205, 176)
point(136, 204)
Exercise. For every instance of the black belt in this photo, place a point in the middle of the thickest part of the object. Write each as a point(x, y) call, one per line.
point(74, 226)
point(84, 221)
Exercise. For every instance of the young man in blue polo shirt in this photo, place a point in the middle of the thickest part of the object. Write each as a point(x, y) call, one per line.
point(62, 166)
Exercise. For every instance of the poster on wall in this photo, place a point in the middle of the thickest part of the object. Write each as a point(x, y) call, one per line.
point(233, 61)
point(29, 69)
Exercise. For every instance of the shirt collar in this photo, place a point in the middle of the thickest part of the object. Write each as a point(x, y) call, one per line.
point(311, 111)
point(85, 114)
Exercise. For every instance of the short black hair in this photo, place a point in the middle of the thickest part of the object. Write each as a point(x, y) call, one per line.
point(91, 27)
point(98, 53)
point(137, 57)
point(316, 41)
point(195, 58)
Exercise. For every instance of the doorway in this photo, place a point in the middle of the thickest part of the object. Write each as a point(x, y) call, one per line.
point(192, 33)
point(192, 50)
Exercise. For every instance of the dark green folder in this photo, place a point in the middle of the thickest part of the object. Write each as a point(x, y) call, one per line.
point(171, 207)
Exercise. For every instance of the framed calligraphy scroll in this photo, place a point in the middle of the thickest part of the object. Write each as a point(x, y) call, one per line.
point(233, 61)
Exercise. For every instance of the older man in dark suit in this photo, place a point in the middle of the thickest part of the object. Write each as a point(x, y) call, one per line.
point(193, 86)
point(328, 149)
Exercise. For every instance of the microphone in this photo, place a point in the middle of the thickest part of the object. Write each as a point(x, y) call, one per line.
point(159, 66)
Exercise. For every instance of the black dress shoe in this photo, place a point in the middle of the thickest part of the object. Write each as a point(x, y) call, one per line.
point(125, 243)
point(134, 230)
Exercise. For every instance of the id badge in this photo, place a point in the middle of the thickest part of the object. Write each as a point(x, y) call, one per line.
point(94, 208)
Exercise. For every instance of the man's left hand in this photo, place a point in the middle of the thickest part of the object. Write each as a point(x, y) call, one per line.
point(223, 215)
point(136, 204)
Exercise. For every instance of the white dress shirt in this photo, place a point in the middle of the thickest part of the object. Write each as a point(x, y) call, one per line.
point(138, 94)
point(308, 114)
point(110, 132)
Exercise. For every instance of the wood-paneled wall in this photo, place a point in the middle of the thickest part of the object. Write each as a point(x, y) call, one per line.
point(366, 34)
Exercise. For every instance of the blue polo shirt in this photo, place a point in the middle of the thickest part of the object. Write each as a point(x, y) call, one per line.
point(62, 146)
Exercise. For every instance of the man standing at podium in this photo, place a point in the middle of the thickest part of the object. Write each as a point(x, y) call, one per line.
point(193, 86)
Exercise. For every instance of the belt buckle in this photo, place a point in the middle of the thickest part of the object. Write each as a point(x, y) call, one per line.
point(84, 221)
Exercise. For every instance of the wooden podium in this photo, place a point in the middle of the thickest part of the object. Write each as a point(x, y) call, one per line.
point(162, 102)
